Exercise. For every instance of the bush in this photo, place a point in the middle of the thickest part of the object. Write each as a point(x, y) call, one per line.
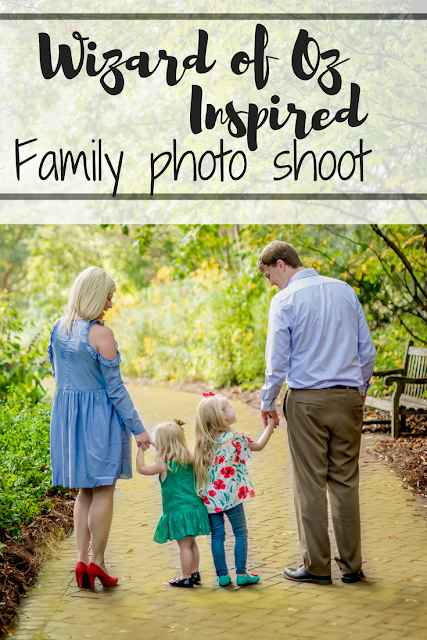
point(25, 474)
point(22, 367)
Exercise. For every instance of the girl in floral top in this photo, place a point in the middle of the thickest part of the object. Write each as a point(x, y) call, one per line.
point(222, 477)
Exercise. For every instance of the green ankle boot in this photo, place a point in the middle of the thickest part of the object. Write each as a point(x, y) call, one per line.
point(249, 578)
point(224, 581)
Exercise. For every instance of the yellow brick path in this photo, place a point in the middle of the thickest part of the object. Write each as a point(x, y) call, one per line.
point(392, 605)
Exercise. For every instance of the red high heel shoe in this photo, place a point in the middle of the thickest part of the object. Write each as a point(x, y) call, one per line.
point(82, 577)
point(93, 571)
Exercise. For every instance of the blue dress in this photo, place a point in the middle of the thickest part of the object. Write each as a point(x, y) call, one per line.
point(93, 417)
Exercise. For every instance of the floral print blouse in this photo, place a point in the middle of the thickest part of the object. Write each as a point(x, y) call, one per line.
point(229, 482)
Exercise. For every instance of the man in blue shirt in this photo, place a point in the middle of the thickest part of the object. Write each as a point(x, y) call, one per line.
point(319, 340)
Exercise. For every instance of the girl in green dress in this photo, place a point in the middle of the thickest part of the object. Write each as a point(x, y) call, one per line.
point(184, 515)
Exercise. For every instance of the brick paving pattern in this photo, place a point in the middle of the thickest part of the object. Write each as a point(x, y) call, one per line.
point(390, 606)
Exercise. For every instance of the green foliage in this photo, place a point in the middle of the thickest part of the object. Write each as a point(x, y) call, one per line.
point(209, 326)
point(14, 253)
point(23, 367)
point(24, 461)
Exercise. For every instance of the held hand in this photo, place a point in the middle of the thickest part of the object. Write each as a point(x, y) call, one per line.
point(271, 423)
point(143, 440)
point(363, 399)
point(265, 415)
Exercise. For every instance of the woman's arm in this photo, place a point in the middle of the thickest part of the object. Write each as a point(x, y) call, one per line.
point(265, 437)
point(148, 470)
point(102, 340)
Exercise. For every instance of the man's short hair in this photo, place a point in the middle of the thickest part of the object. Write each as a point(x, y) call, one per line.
point(278, 250)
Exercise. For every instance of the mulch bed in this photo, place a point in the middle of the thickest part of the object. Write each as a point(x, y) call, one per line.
point(408, 456)
point(21, 560)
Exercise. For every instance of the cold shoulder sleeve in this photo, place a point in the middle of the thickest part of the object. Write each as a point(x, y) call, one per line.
point(115, 388)
point(118, 394)
point(85, 338)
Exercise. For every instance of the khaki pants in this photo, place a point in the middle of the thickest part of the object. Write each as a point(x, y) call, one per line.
point(324, 429)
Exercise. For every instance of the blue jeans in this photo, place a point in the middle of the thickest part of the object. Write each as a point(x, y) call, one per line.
point(237, 519)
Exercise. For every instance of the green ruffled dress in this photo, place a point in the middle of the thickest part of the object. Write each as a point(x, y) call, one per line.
point(184, 513)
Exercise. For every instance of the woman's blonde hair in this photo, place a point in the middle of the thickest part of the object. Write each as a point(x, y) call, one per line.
point(171, 444)
point(88, 295)
point(210, 423)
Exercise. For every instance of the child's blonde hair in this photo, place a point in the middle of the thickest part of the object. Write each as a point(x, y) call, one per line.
point(210, 423)
point(171, 444)
point(88, 295)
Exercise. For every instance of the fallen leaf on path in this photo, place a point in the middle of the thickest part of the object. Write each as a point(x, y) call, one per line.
point(410, 600)
point(393, 537)
point(385, 621)
point(408, 579)
point(290, 609)
point(130, 551)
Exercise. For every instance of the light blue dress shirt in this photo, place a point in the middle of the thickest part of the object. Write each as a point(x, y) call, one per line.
point(317, 337)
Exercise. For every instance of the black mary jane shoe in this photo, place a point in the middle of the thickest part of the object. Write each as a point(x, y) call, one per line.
point(301, 575)
point(196, 577)
point(182, 582)
point(349, 578)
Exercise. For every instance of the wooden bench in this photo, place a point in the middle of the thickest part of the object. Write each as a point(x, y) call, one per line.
point(411, 384)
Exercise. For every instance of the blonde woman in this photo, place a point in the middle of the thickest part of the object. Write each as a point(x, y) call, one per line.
point(220, 457)
point(184, 516)
point(92, 418)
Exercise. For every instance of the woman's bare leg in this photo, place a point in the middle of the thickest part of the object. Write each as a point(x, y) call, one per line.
point(100, 516)
point(81, 523)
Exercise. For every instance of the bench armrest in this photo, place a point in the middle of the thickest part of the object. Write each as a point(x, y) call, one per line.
point(403, 379)
point(381, 374)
